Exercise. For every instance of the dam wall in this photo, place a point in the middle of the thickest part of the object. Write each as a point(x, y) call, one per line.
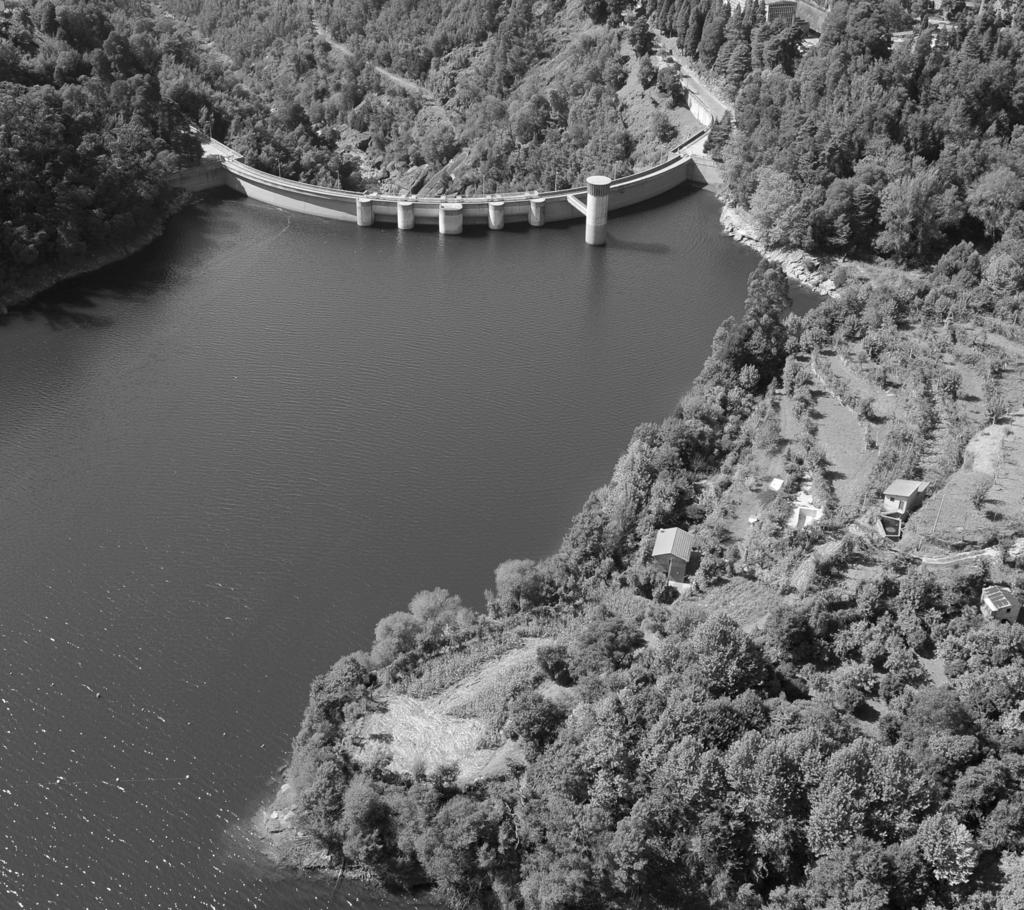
point(205, 176)
point(224, 167)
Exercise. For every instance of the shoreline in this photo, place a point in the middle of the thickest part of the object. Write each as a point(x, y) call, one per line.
point(22, 295)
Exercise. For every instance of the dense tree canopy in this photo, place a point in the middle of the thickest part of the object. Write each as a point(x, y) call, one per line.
point(86, 137)
point(871, 144)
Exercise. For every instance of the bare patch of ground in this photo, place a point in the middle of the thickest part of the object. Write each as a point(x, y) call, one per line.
point(984, 453)
point(1011, 348)
point(880, 271)
point(455, 725)
point(789, 423)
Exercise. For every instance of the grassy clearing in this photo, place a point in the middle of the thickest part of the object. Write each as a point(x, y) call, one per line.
point(445, 670)
point(981, 501)
point(748, 603)
point(857, 375)
point(841, 436)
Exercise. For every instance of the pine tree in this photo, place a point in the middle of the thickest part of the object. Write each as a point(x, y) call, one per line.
point(713, 36)
point(736, 68)
point(681, 21)
point(694, 30)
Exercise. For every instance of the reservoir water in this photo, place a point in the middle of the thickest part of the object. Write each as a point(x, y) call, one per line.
point(224, 459)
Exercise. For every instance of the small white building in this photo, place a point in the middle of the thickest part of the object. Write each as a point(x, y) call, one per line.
point(805, 513)
point(672, 550)
point(1000, 604)
point(902, 497)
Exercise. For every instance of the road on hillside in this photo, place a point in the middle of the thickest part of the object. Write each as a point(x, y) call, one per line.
point(413, 88)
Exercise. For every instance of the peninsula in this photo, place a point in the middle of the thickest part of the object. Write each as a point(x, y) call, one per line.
point(776, 660)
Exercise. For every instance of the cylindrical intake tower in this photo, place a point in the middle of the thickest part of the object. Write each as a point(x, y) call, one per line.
point(597, 210)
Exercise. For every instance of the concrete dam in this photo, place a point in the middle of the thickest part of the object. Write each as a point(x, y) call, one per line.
point(222, 166)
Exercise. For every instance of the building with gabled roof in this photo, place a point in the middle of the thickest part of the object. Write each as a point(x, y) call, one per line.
point(672, 550)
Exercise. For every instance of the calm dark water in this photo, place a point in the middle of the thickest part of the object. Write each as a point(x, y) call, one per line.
point(222, 461)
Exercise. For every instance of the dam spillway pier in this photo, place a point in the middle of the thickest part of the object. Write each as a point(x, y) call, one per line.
point(364, 212)
point(536, 217)
point(405, 214)
point(496, 214)
point(449, 218)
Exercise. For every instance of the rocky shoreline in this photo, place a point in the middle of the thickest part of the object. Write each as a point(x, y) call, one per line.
point(802, 267)
point(283, 840)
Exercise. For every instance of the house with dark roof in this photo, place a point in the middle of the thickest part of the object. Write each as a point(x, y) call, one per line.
point(999, 604)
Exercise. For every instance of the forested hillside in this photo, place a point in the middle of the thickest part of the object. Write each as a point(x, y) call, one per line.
point(512, 95)
point(86, 137)
point(96, 101)
point(868, 144)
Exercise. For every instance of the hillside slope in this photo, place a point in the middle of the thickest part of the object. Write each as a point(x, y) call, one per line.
point(446, 96)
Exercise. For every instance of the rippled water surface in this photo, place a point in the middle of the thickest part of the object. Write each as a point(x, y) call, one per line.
point(223, 460)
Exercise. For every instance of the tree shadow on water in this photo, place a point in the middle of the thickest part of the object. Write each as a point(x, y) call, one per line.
point(59, 310)
point(93, 299)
